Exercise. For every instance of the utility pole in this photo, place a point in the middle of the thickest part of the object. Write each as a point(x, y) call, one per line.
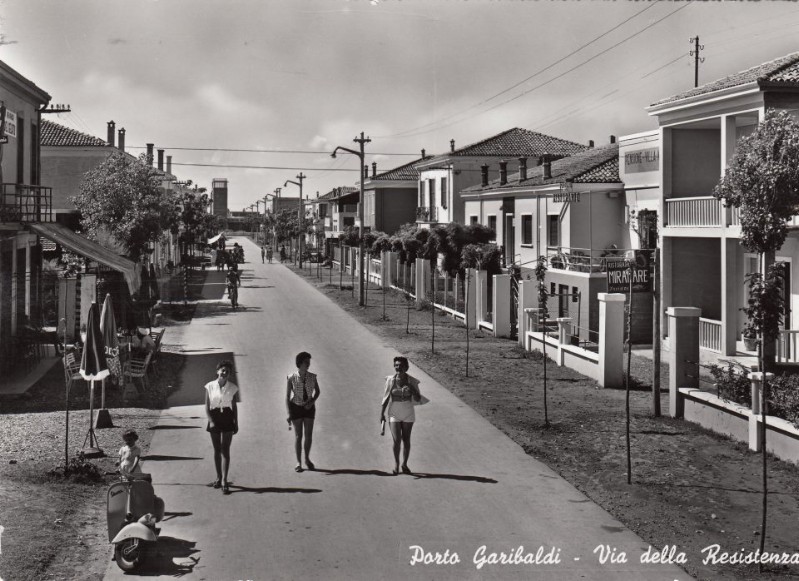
point(361, 141)
point(695, 53)
point(300, 217)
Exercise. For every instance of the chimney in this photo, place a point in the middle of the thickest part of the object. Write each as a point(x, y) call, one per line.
point(612, 139)
point(423, 154)
point(547, 168)
point(522, 169)
point(160, 160)
point(365, 172)
point(150, 147)
point(374, 168)
point(503, 172)
point(122, 139)
point(484, 175)
point(169, 164)
point(452, 145)
point(111, 128)
point(590, 143)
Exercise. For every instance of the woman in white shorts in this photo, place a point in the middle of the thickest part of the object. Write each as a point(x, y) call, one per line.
point(401, 392)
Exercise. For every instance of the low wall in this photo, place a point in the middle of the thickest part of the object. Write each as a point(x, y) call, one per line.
point(739, 423)
point(581, 360)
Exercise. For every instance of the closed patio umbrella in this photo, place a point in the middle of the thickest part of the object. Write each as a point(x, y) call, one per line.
point(108, 327)
point(155, 294)
point(93, 366)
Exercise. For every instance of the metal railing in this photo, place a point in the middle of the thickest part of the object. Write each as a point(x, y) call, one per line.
point(25, 203)
point(427, 214)
point(583, 259)
point(701, 212)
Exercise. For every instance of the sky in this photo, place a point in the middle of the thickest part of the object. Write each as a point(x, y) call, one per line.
point(290, 80)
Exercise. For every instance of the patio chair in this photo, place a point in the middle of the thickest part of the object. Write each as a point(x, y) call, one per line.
point(136, 368)
point(71, 370)
point(156, 337)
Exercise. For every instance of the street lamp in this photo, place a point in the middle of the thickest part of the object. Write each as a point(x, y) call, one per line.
point(361, 141)
point(300, 217)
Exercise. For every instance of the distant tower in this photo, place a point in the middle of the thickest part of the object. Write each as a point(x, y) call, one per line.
point(219, 188)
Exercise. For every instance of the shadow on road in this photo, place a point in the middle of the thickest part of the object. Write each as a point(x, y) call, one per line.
point(352, 471)
point(170, 515)
point(173, 428)
point(161, 457)
point(162, 560)
point(481, 479)
point(235, 488)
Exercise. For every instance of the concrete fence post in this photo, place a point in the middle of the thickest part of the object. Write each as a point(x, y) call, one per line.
point(527, 298)
point(422, 278)
point(684, 354)
point(564, 336)
point(501, 305)
point(755, 427)
point(481, 304)
point(611, 339)
point(469, 307)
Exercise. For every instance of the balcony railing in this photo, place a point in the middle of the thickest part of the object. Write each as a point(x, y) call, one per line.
point(701, 212)
point(24, 203)
point(710, 334)
point(427, 214)
point(584, 259)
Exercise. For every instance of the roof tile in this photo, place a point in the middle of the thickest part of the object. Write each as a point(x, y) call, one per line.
point(55, 135)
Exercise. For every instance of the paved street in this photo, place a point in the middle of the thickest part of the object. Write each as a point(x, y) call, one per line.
point(352, 519)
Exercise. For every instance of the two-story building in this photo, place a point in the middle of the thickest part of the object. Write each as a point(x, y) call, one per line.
point(23, 201)
point(390, 197)
point(443, 177)
point(698, 132)
point(572, 211)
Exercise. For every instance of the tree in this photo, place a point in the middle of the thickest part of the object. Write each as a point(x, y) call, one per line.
point(762, 181)
point(543, 299)
point(124, 197)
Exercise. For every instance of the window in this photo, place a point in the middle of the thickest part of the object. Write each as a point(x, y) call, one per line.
point(421, 193)
point(34, 155)
point(492, 223)
point(444, 193)
point(349, 221)
point(431, 192)
point(553, 228)
point(473, 219)
point(20, 149)
point(527, 229)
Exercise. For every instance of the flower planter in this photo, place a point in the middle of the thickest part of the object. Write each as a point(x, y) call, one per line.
point(750, 343)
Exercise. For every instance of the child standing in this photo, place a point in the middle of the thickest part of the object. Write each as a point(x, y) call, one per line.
point(129, 454)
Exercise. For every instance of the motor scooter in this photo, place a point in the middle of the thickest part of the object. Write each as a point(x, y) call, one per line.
point(133, 511)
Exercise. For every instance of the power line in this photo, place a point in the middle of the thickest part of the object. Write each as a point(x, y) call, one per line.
point(523, 93)
point(293, 151)
point(263, 167)
point(540, 71)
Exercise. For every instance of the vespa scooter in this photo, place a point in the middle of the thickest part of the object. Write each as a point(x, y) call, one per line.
point(133, 511)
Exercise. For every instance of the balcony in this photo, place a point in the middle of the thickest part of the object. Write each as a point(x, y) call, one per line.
point(427, 214)
point(24, 203)
point(704, 212)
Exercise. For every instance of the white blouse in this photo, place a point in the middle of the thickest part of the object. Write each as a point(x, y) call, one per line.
point(221, 397)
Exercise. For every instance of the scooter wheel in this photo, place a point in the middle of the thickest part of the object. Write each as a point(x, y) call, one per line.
point(129, 554)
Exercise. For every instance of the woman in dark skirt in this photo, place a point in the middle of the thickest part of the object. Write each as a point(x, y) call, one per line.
point(302, 391)
point(220, 408)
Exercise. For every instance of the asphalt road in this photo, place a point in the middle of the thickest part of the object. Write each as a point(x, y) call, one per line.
point(474, 492)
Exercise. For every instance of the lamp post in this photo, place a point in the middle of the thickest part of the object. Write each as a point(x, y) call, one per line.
point(300, 217)
point(361, 141)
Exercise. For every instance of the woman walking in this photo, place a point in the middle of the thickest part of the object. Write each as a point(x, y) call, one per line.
point(401, 392)
point(302, 391)
point(223, 422)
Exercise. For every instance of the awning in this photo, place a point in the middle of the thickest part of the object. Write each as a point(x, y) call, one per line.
point(216, 238)
point(81, 245)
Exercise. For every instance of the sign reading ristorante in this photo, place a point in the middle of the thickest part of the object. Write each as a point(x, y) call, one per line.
point(642, 160)
point(619, 273)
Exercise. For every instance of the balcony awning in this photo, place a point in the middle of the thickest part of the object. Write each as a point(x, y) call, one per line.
point(81, 245)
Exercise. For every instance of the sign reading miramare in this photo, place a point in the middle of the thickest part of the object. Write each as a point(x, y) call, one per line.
point(619, 274)
point(642, 160)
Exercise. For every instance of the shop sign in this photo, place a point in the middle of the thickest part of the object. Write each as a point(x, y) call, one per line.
point(619, 274)
point(642, 160)
point(566, 194)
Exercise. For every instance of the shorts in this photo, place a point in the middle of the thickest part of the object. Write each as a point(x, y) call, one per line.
point(297, 412)
point(224, 421)
point(401, 411)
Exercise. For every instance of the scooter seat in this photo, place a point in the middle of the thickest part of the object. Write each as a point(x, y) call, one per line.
point(140, 476)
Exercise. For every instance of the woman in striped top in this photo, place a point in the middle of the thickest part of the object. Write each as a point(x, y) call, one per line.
point(302, 391)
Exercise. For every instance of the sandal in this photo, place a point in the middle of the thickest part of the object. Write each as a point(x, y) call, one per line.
point(406, 470)
point(216, 484)
point(298, 468)
point(310, 465)
point(226, 488)
point(395, 471)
